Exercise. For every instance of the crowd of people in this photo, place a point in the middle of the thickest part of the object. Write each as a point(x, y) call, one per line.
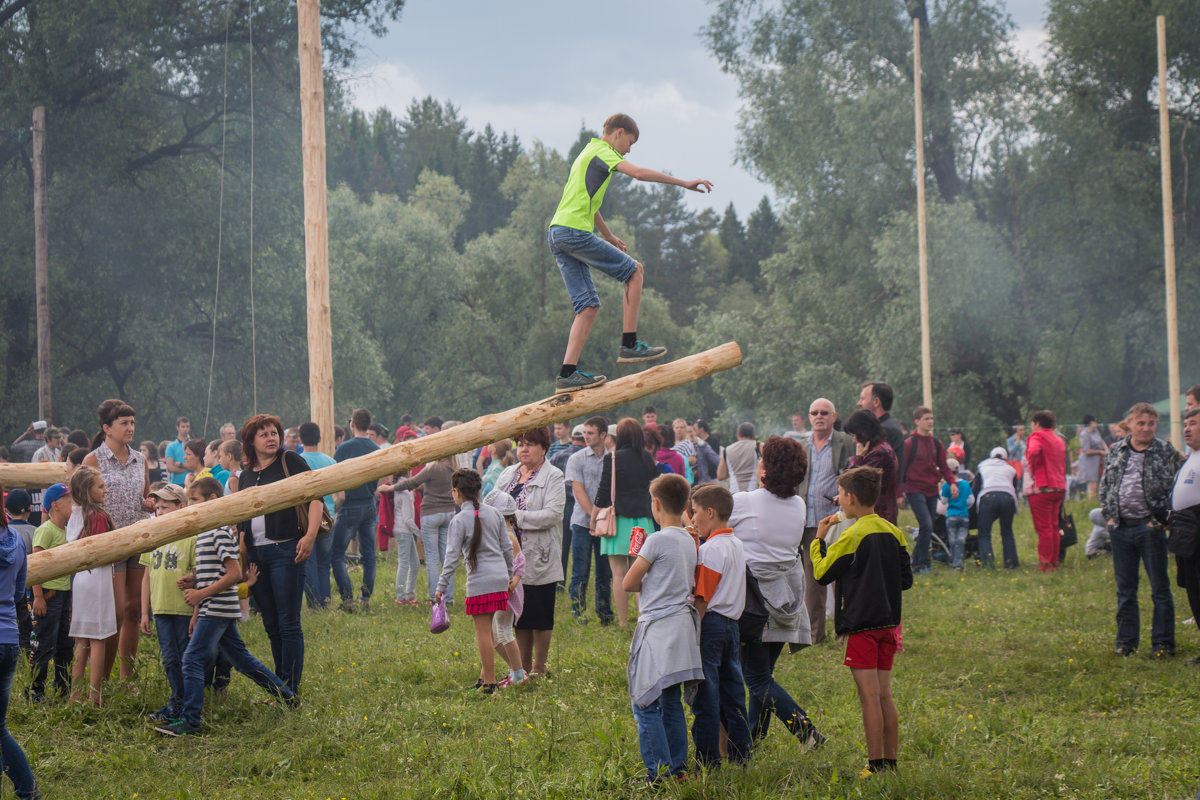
point(730, 550)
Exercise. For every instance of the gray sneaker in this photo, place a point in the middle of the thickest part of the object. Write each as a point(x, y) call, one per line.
point(640, 352)
point(577, 380)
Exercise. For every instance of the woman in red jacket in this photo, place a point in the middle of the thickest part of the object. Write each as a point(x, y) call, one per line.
point(1046, 455)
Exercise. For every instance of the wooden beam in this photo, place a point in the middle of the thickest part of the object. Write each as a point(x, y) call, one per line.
point(148, 534)
point(32, 476)
point(316, 232)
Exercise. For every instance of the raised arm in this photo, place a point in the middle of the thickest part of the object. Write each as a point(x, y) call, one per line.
point(654, 176)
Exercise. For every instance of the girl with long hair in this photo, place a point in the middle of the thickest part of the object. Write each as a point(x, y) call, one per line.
point(93, 607)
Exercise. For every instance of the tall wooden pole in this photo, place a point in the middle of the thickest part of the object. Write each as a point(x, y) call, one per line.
point(41, 263)
point(922, 243)
point(307, 486)
point(1164, 141)
point(316, 245)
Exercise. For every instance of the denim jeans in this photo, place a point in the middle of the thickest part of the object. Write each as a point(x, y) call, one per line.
point(1131, 543)
point(435, 530)
point(662, 733)
point(407, 565)
point(16, 766)
point(995, 506)
point(956, 529)
point(316, 572)
point(172, 632)
point(721, 698)
point(567, 538)
point(766, 696)
point(279, 592)
point(575, 251)
point(220, 634)
point(585, 549)
point(53, 642)
point(925, 509)
point(357, 520)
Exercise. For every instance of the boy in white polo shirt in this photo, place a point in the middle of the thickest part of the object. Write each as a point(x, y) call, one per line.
point(720, 600)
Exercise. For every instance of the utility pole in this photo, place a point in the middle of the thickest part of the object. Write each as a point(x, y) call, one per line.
point(1164, 146)
point(922, 242)
point(41, 263)
point(316, 232)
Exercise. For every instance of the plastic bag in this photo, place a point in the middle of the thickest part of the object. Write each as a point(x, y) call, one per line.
point(439, 620)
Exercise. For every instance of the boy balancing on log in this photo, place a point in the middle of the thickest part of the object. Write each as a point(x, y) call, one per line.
point(576, 247)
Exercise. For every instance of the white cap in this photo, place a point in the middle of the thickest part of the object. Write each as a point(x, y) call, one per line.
point(998, 452)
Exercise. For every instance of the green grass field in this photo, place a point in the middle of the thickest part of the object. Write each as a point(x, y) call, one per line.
point(1008, 687)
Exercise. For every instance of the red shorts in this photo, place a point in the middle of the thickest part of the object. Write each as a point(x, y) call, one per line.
point(872, 649)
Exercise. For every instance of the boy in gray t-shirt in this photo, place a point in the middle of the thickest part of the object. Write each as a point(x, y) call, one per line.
point(665, 652)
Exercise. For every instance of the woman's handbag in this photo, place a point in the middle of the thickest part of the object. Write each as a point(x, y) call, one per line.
point(439, 620)
point(302, 510)
point(606, 518)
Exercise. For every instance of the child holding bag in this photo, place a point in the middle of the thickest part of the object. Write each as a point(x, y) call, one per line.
point(502, 621)
point(478, 535)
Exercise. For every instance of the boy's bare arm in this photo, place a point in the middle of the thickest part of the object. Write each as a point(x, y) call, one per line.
point(608, 235)
point(654, 176)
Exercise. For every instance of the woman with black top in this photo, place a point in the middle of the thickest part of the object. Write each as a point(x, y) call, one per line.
point(277, 545)
point(635, 470)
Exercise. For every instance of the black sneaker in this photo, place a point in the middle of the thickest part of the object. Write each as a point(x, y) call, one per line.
point(639, 352)
point(1122, 650)
point(180, 727)
point(1162, 652)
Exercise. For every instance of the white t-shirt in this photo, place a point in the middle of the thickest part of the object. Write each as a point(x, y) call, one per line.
point(721, 575)
point(769, 526)
point(1187, 484)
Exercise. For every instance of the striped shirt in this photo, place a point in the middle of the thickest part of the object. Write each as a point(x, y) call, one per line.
point(213, 548)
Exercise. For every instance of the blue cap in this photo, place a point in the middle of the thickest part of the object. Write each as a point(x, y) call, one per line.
point(55, 492)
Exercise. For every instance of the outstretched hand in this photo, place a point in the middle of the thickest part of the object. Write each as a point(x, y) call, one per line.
point(699, 185)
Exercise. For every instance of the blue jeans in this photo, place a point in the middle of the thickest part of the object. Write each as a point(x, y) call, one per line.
point(316, 572)
point(407, 565)
point(576, 251)
point(584, 549)
point(566, 529)
point(956, 529)
point(220, 634)
point(997, 506)
point(662, 733)
point(1131, 543)
point(16, 766)
point(721, 699)
point(925, 509)
point(279, 592)
point(172, 632)
point(357, 520)
point(53, 642)
point(435, 530)
point(766, 696)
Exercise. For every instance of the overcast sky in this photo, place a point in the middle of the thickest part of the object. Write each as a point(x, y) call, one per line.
point(544, 68)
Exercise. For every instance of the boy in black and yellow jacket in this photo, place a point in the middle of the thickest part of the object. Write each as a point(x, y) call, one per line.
point(870, 563)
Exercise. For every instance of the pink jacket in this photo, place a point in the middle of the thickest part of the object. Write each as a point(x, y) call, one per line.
point(1047, 457)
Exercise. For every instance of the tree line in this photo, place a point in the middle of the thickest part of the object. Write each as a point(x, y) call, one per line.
point(1046, 252)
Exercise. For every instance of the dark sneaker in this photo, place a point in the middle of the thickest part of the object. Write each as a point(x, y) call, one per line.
point(1162, 652)
point(1125, 651)
point(158, 716)
point(814, 740)
point(180, 727)
point(576, 381)
point(640, 352)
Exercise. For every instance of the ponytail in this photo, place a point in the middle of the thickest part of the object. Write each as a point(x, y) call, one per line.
point(468, 483)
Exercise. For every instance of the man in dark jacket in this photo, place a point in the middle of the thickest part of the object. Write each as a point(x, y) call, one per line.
point(1135, 493)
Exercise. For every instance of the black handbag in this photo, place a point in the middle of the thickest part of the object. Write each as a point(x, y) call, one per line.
point(1066, 528)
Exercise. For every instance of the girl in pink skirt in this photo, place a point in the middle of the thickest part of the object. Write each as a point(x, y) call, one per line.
point(478, 536)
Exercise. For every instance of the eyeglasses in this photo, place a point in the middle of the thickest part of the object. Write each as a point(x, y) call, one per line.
point(819, 413)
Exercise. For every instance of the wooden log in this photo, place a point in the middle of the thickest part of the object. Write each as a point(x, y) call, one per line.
point(151, 533)
point(316, 233)
point(32, 476)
